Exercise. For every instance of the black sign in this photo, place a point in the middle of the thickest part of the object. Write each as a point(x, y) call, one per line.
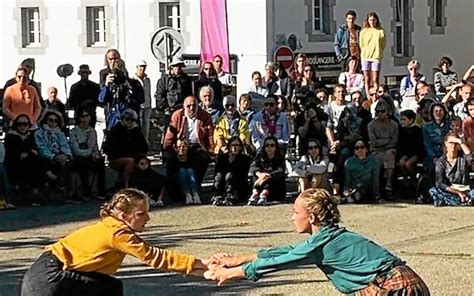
point(323, 61)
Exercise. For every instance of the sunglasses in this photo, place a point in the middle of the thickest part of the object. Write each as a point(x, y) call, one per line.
point(412, 69)
point(23, 123)
point(359, 147)
point(380, 111)
point(269, 104)
point(189, 106)
point(53, 120)
point(313, 147)
point(270, 145)
point(229, 105)
point(130, 119)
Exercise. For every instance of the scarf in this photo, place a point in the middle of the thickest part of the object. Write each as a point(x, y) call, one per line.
point(270, 121)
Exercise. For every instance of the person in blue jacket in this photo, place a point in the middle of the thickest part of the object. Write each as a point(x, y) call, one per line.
point(353, 263)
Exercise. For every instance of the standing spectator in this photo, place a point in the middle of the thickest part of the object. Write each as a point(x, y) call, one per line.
point(245, 107)
point(434, 133)
point(208, 77)
point(87, 160)
point(312, 167)
point(410, 149)
point(361, 176)
point(84, 94)
point(224, 77)
point(21, 98)
point(383, 135)
point(146, 179)
point(231, 124)
point(283, 80)
point(231, 174)
point(346, 40)
point(29, 66)
point(372, 45)
point(452, 174)
point(182, 166)
point(208, 104)
point(194, 125)
point(124, 143)
point(444, 79)
point(408, 83)
point(352, 79)
point(268, 170)
point(53, 147)
point(270, 121)
point(145, 108)
point(297, 72)
point(256, 91)
point(172, 88)
point(22, 162)
point(468, 125)
point(54, 103)
point(269, 81)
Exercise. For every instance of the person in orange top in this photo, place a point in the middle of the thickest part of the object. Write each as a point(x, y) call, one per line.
point(82, 262)
point(21, 98)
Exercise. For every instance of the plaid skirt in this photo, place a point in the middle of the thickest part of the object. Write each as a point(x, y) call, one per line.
point(399, 281)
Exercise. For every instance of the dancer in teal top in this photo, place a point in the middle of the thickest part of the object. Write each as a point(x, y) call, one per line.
point(354, 264)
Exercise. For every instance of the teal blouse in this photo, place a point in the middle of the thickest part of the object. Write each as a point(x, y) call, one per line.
point(349, 260)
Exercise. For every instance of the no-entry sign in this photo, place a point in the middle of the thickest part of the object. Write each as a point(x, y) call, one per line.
point(285, 56)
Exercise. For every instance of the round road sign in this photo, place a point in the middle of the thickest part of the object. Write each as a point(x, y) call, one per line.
point(166, 43)
point(285, 56)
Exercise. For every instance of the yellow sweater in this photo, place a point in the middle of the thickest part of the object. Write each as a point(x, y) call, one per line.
point(102, 247)
point(222, 134)
point(372, 44)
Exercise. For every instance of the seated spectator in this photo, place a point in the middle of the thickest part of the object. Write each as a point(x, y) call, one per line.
point(410, 147)
point(283, 80)
point(407, 85)
point(194, 125)
point(434, 133)
point(4, 203)
point(357, 100)
point(231, 124)
point(245, 107)
point(22, 163)
point(424, 98)
point(231, 174)
point(182, 169)
point(208, 104)
point(300, 61)
point(468, 125)
point(361, 181)
point(256, 91)
point(87, 160)
point(268, 171)
point(383, 135)
point(124, 142)
point(311, 124)
point(269, 81)
point(21, 98)
point(147, 180)
point(208, 77)
point(306, 85)
point(456, 126)
point(452, 174)
point(312, 167)
point(457, 97)
point(270, 121)
point(54, 103)
point(444, 79)
point(352, 79)
point(53, 147)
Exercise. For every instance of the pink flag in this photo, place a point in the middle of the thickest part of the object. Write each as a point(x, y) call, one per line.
point(214, 39)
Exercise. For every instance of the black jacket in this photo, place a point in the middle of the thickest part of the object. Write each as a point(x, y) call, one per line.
point(122, 142)
point(171, 91)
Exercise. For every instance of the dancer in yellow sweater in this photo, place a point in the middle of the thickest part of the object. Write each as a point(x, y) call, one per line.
point(83, 262)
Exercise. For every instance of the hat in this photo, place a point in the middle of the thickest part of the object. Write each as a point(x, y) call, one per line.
point(229, 100)
point(177, 61)
point(129, 113)
point(140, 63)
point(84, 67)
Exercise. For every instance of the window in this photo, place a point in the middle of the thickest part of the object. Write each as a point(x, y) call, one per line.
point(402, 33)
point(321, 16)
point(437, 20)
point(95, 19)
point(170, 15)
point(30, 27)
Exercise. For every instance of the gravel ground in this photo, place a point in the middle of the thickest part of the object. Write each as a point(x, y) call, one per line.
point(436, 242)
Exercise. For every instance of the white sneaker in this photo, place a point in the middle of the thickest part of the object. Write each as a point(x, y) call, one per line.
point(189, 199)
point(196, 198)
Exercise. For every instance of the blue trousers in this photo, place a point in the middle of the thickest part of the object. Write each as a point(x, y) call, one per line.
point(443, 198)
point(187, 179)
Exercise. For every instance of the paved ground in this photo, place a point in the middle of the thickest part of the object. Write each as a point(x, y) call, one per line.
point(436, 242)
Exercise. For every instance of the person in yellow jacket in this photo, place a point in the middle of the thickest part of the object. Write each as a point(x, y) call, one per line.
point(372, 45)
point(83, 262)
point(229, 124)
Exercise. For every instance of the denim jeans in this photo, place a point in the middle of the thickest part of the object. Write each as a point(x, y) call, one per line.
point(187, 179)
point(46, 277)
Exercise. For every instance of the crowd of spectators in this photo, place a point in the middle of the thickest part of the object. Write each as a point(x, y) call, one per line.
point(353, 138)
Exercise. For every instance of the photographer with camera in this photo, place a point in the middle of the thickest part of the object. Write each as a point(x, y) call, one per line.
point(117, 91)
